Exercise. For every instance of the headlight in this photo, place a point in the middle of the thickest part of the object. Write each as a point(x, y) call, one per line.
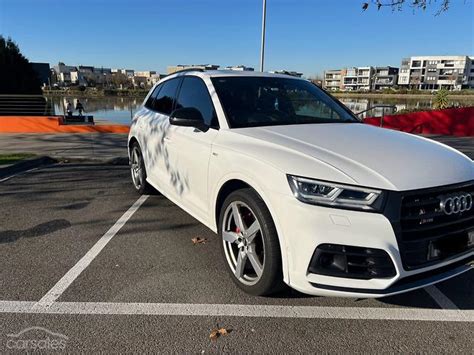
point(336, 195)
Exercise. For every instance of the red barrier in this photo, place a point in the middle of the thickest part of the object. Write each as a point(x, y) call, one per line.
point(452, 122)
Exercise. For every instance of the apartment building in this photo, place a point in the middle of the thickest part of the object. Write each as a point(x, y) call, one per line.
point(385, 78)
point(357, 78)
point(470, 82)
point(333, 79)
point(436, 72)
point(361, 78)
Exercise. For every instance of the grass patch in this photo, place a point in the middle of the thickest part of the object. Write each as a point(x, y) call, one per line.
point(14, 157)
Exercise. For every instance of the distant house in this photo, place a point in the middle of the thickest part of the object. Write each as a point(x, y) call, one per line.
point(63, 74)
point(145, 78)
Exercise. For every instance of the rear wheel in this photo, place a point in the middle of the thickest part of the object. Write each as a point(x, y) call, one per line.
point(250, 243)
point(137, 170)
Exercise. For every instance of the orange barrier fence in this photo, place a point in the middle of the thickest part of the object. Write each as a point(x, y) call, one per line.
point(452, 122)
point(50, 124)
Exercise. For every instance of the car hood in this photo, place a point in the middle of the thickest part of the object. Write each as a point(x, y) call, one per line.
point(359, 154)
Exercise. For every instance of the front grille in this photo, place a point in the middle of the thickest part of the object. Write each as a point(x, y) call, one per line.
point(428, 235)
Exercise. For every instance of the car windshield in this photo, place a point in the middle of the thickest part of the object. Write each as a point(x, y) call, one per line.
point(265, 101)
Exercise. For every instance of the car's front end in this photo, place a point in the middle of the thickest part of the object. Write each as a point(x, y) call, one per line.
point(409, 240)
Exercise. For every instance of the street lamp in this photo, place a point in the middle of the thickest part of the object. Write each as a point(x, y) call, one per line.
point(262, 49)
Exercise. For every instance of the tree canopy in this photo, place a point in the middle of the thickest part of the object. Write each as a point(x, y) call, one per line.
point(16, 73)
point(441, 5)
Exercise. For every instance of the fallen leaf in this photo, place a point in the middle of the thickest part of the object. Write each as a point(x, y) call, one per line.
point(216, 333)
point(198, 240)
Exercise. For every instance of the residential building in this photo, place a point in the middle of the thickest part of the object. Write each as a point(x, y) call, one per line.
point(436, 72)
point(333, 79)
point(360, 78)
point(145, 78)
point(364, 78)
point(145, 73)
point(175, 68)
point(349, 80)
point(239, 68)
point(63, 74)
point(357, 78)
point(128, 72)
point(90, 76)
point(385, 78)
point(471, 73)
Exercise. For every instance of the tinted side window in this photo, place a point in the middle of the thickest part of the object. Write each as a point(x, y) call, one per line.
point(149, 102)
point(165, 99)
point(194, 94)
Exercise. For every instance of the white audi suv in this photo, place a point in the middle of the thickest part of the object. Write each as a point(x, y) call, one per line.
point(299, 191)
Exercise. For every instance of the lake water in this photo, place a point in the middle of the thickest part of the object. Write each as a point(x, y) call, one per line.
point(121, 109)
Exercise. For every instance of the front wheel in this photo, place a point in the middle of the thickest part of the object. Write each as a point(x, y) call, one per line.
point(137, 170)
point(250, 243)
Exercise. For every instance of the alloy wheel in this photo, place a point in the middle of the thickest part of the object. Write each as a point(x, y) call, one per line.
point(136, 167)
point(243, 243)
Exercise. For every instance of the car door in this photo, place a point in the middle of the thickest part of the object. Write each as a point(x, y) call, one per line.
point(155, 130)
point(189, 149)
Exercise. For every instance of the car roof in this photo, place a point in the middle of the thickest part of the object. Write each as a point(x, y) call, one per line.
point(229, 73)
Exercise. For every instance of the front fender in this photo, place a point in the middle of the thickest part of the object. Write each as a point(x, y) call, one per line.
point(266, 180)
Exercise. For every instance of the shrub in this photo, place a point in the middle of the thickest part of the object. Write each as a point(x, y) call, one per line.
point(441, 99)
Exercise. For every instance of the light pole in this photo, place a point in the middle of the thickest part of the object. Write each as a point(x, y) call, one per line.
point(262, 49)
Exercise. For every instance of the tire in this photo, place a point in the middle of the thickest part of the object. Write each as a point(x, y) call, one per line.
point(260, 250)
point(138, 171)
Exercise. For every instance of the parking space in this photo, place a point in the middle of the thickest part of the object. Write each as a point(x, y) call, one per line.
point(150, 288)
point(50, 218)
point(152, 259)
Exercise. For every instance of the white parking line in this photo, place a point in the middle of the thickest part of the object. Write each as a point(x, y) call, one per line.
point(238, 310)
point(61, 286)
point(441, 299)
point(20, 173)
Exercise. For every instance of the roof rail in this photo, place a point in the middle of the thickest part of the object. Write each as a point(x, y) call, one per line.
point(189, 69)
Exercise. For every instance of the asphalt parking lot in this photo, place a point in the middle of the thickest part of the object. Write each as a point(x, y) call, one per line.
point(100, 269)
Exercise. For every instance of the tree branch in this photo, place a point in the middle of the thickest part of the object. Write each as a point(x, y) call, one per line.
point(399, 4)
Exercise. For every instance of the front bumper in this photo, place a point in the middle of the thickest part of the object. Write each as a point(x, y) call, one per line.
point(306, 226)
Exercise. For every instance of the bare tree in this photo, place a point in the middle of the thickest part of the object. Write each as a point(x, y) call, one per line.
point(399, 5)
point(120, 80)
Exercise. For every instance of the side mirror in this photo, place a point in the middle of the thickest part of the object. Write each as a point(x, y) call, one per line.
point(188, 117)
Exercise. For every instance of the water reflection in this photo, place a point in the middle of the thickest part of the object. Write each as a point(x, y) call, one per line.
point(357, 105)
point(122, 109)
point(115, 109)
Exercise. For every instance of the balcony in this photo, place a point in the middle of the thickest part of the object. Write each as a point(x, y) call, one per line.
point(384, 82)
